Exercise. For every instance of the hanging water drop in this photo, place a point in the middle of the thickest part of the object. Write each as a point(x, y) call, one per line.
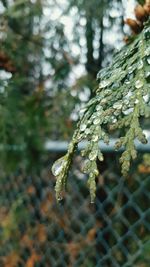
point(59, 198)
point(100, 156)
point(58, 166)
point(82, 111)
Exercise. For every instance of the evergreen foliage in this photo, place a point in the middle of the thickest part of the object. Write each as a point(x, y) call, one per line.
point(120, 103)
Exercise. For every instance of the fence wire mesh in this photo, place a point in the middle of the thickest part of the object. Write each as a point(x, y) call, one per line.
point(35, 231)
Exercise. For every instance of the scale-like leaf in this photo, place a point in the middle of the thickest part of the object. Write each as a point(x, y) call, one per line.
point(121, 99)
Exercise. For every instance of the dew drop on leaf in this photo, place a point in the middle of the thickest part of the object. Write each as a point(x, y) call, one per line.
point(114, 120)
point(147, 51)
point(95, 138)
point(146, 98)
point(58, 166)
point(96, 121)
point(138, 84)
point(92, 155)
point(127, 82)
point(81, 112)
point(98, 108)
point(147, 33)
point(103, 101)
point(128, 111)
point(82, 127)
point(140, 64)
point(103, 84)
point(87, 131)
point(130, 69)
point(147, 74)
point(148, 60)
point(117, 105)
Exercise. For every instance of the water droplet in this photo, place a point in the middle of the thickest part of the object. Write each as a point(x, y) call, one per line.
point(107, 92)
point(103, 84)
point(146, 98)
point(117, 105)
point(82, 127)
point(103, 101)
point(79, 137)
point(129, 94)
point(124, 107)
point(126, 102)
point(147, 51)
point(140, 64)
point(92, 155)
point(127, 82)
point(60, 198)
point(128, 111)
point(96, 121)
point(94, 115)
point(58, 166)
point(114, 120)
point(106, 119)
point(95, 138)
point(115, 85)
point(98, 108)
point(148, 60)
point(81, 112)
point(100, 157)
point(147, 33)
point(138, 84)
point(117, 112)
point(147, 74)
point(87, 131)
point(130, 69)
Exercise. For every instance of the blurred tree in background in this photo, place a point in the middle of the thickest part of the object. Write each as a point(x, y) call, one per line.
point(47, 73)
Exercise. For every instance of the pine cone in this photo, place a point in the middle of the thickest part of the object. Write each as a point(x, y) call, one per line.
point(147, 8)
point(140, 13)
point(134, 25)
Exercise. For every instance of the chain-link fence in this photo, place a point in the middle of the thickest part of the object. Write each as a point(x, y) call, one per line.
point(35, 231)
